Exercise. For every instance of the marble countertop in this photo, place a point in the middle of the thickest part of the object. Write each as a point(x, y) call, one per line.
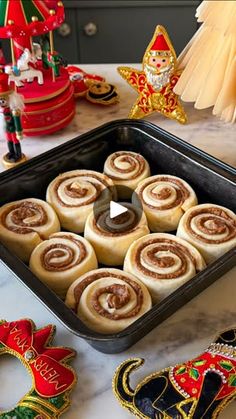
point(182, 336)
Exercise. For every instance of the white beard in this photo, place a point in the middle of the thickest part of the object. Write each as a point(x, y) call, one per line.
point(158, 81)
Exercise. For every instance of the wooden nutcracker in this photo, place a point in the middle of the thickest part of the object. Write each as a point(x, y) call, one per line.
point(11, 106)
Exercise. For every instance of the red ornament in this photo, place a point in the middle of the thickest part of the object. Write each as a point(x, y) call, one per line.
point(199, 388)
point(80, 79)
point(93, 87)
point(52, 376)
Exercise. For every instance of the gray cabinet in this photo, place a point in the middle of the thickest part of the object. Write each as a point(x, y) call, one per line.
point(118, 31)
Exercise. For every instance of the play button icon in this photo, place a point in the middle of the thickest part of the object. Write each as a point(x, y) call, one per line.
point(116, 209)
point(114, 217)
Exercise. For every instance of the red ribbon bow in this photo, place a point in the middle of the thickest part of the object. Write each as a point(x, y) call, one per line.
point(51, 377)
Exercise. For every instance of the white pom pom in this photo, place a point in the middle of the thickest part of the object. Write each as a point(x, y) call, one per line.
point(16, 101)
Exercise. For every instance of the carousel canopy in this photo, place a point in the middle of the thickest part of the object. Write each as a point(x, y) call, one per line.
point(29, 17)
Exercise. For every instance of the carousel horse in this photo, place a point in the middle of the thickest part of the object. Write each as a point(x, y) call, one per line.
point(199, 388)
point(23, 71)
point(51, 60)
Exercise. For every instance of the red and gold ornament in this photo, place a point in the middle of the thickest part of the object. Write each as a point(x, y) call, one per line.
point(52, 378)
point(80, 80)
point(156, 81)
point(95, 89)
point(199, 388)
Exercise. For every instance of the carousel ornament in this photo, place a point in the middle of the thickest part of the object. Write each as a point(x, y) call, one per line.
point(38, 72)
point(11, 106)
point(156, 81)
point(200, 388)
point(52, 377)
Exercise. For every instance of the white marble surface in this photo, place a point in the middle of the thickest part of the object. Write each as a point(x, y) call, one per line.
point(182, 336)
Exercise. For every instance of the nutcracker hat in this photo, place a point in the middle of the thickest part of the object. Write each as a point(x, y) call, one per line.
point(160, 43)
point(5, 89)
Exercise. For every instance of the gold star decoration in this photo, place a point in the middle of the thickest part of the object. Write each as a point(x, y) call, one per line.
point(156, 81)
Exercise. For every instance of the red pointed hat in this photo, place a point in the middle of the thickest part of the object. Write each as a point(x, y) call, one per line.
point(160, 44)
point(5, 89)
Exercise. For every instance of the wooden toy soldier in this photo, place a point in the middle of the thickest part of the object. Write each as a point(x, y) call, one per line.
point(11, 106)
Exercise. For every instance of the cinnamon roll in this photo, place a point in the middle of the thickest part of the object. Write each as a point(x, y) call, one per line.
point(61, 259)
point(126, 169)
point(25, 223)
point(210, 228)
point(163, 262)
point(165, 199)
point(72, 195)
point(108, 300)
point(111, 237)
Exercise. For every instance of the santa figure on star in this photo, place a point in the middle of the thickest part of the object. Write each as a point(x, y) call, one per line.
point(156, 81)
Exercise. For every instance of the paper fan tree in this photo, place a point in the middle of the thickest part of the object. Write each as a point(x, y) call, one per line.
point(209, 61)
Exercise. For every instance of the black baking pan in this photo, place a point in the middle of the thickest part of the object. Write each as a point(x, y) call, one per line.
point(212, 180)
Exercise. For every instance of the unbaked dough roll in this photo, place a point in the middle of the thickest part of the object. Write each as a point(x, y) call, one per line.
point(73, 194)
point(163, 262)
point(61, 259)
point(210, 228)
point(126, 169)
point(165, 199)
point(25, 223)
point(111, 237)
point(108, 300)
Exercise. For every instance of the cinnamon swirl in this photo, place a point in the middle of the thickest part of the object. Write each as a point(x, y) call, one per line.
point(108, 300)
point(111, 237)
point(165, 199)
point(72, 195)
point(126, 169)
point(210, 228)
point(61, 259)
point(25, 223)
point(163, 262)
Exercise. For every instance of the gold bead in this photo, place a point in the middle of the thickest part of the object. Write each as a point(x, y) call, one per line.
point(10, 22)
point(52, 12)
point(194, 390)
point(34, 19)
point(60, 4)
